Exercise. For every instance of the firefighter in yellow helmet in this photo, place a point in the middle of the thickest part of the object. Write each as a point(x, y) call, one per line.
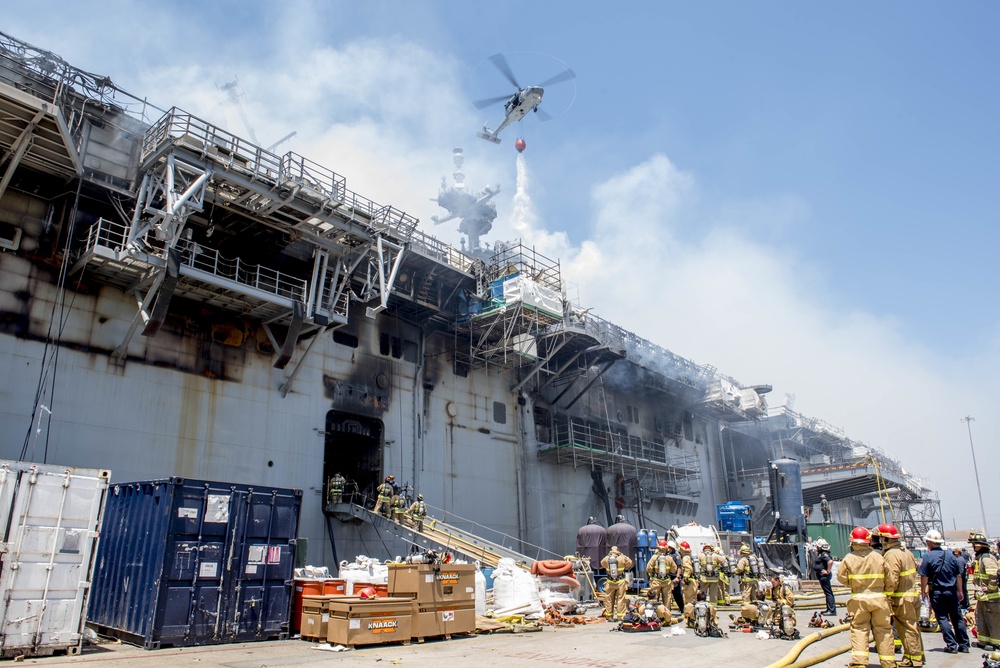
point(661, 570)
point(745, 572)
point(615, 564)
point(863, 570)
point(902, 589)
point(708, 577)
point(384, 499)
point(984, 582)
point(417, 512)
point(689, 585)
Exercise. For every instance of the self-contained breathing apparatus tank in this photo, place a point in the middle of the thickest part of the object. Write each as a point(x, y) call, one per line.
point(787, 625)
point(731, 562)
point(661, 565)
point(701, 618)
point(613, 566)
point(755, 569)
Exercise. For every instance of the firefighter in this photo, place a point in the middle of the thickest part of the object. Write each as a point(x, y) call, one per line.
point(902, 589)
point(863, 570)
point(708, 578)
point(661, 570)
point(417, 512)
point(724, 572)
point(984, 582)
point(615, 564)
point(743, 571)
point(823, 564)
point(824, 508)
point(385, 493)
point(940, 583)
point(677, 593)
point(335, 489)
point(689, 585)
point(701, 616)
point(778, 594)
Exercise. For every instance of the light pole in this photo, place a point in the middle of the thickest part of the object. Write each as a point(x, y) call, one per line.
point(975, 469)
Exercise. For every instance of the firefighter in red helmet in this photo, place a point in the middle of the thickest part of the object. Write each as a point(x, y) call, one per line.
point(863, 570)
point(902, 589)
point(661, 570)
point(689, 585)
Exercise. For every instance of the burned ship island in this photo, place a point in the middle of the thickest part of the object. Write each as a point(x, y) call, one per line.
point(176, 300)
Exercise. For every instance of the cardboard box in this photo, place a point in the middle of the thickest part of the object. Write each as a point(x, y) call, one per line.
point(433, 583)
point(315, 617)
point(443, 619)
point(355, 621)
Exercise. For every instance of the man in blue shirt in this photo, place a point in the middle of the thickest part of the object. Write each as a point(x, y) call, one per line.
point(940, 578)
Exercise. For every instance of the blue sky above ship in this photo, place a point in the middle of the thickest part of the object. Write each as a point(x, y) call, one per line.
point(798, 194)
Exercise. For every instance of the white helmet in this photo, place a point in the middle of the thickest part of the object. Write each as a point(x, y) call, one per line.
point(822, 544)
point(672, 544)
point(933, 536)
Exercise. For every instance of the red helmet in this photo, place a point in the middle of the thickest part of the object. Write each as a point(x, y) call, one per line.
point(685, 546)
point(368, 592)
point(888, 531)
point(861, 535)
point(662, 544)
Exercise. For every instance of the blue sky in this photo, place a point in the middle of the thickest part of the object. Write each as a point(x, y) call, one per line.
point(800, 194)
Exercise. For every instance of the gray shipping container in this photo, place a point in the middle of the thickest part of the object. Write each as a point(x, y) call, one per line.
point(50, 518)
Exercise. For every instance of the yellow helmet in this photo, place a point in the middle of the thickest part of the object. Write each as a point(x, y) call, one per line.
point(745, 549)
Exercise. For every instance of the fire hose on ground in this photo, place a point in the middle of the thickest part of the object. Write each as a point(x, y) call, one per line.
point(788, 661)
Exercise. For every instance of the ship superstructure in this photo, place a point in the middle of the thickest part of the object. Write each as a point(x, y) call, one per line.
point(178, 301)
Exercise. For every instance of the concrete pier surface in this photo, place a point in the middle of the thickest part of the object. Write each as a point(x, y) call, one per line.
point(592, 645)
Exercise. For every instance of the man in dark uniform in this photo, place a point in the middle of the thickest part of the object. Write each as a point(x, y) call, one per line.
point(940, 579)
point(822, 565)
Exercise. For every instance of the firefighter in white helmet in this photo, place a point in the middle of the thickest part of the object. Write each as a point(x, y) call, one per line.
point(863, 570)
point(615, 564)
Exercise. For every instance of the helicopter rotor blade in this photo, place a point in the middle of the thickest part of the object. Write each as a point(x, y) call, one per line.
point(490, 101)
point(565, 75)
point(501, 64)
point(543, 115)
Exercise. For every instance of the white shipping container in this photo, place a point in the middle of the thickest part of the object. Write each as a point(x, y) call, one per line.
point(50, 518)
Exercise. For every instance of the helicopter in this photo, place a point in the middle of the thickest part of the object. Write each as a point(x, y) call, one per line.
point(520, 103)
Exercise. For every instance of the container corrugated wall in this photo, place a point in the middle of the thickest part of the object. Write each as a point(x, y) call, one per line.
point(50, 517)
point(190, 562)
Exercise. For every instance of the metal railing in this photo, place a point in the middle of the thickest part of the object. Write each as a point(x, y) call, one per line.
point(293, 173)
point(676, 469)
point(434, 248)
point(111, 235)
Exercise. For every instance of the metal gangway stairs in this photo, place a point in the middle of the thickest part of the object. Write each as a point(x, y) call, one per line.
point(437, 534)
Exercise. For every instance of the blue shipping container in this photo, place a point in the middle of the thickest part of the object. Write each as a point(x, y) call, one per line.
point(189, 562)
